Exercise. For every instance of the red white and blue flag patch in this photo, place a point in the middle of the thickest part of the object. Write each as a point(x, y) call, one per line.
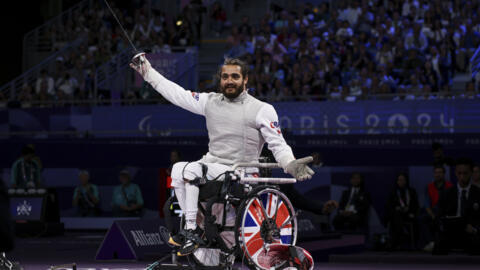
point(275, 125)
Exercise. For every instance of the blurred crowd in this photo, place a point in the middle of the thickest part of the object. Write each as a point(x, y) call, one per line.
point(445, 218)
point(353, 50)
point(100, 37)
point(343, 50)
point(126, 200)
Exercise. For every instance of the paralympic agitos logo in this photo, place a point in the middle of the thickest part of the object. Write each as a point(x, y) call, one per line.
point(24, 209)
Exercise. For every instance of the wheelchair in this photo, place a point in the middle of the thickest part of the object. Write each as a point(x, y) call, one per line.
point(242, 218)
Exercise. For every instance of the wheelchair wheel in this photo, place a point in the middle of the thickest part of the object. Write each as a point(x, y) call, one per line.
point(265, 218)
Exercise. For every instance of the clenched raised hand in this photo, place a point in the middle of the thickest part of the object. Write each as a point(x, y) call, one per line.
point(140, 64)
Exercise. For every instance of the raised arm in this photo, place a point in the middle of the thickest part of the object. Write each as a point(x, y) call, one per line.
point(188, 100)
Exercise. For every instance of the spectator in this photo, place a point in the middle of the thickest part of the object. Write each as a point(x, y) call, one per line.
point(411, 62)
point(470, 92)
point(146, 93)
point(160, 46)
point(195, 16)
point(35, 157)
point(439, 157)
point(174, 158)
point(45, 84)
point(402, 210)
point(68, 85)
point(385, 55)
point(460, 214)
point(26, 96)
point(344, 31)
point(317, 160)
point(430, 218)
point(476, 175)
point(127, 197)
point(245, 27)
point(233, 40)
point(25, 171)
point(354, 205)
point(275, 94)
point(277, 50)
point(86, 197)
point(158, 23)
point(3, 100)
point(415, 39)
point(353, 12)
point(219, 18)
point(142, 29)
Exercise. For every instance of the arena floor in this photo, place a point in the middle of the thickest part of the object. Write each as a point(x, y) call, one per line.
point(80, 248)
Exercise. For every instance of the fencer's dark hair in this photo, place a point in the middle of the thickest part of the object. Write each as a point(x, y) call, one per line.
point(234, 62)
point(464, 161)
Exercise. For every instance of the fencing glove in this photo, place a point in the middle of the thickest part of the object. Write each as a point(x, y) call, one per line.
point(298, 168)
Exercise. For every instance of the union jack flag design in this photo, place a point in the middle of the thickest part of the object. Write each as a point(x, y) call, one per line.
point(254, 218)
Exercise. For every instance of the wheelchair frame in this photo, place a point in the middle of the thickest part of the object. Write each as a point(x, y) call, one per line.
point(227, 198)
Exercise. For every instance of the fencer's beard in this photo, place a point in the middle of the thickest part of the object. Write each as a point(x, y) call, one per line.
point(228, 93)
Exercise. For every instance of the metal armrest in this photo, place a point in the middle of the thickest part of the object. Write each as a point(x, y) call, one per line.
point(254, 180)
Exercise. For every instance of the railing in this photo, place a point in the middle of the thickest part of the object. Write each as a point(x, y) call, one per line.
point(35, 40)
point(188, 69)
point(114, 75)
point(111, 75)
point(30, 76)
point(139, 101)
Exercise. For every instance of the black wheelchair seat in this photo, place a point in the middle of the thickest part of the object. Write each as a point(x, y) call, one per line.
point(209, 190)
point(214, 189)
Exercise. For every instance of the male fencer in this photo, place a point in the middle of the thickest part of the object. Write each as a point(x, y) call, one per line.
point(238, 126)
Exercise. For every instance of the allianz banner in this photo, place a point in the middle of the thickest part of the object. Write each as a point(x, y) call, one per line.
point(134, 239)
point(300, 118)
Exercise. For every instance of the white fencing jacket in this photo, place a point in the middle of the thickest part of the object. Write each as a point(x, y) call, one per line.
point(237, 129)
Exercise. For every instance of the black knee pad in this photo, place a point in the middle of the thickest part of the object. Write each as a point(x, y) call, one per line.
point(198, 181)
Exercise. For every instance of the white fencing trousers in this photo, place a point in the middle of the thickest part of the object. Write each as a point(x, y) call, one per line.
point(187, 194)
